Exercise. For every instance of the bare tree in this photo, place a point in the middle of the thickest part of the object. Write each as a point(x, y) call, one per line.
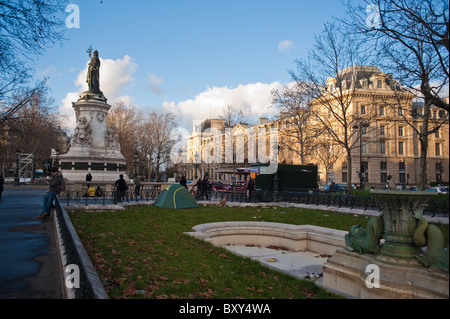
point(34, 129)
point(329, 78)
point(27, 29)
point(126, 121)
point(231, 116)
point(410, 37)
point(164, 126)
point(299, 134)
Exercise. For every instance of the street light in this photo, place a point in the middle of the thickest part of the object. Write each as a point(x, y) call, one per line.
point(196, 157)
point(361, 175)
point(135, 163)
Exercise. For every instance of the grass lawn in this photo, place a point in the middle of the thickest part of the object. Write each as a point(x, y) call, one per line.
point(141, 252)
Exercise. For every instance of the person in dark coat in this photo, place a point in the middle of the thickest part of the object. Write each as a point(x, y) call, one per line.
point(55, 186)
point(250, 189)
point(121, 186)
point(183, 181)
point(205, 187)
point(199, 188)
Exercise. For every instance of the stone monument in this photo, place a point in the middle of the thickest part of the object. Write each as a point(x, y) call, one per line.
point(93, 148)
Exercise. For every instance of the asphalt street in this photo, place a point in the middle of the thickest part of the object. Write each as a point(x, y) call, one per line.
point(29, 262)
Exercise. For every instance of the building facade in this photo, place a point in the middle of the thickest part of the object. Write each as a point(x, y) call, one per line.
point(383, 126)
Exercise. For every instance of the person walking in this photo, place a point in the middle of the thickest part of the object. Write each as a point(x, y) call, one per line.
point(250, 189)
point(205, 187)
point(199, 188)
point(55, 186)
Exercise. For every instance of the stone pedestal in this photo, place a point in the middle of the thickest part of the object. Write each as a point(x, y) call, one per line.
point(94, 149)
point(347, 273)
point(399, 209)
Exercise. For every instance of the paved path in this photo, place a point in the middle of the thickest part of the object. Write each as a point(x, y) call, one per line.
point(29, 262)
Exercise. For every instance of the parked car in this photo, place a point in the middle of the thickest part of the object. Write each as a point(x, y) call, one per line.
point(217, 186)
point(437, 189)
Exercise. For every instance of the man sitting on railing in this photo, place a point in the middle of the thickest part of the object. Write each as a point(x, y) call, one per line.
point(56, 184)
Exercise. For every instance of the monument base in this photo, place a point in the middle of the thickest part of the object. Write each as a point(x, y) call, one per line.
point(347, 272)
point(94, 148)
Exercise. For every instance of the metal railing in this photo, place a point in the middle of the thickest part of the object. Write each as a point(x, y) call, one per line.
point(337, 199)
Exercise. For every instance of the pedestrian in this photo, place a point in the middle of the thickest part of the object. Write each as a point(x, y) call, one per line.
point(250, 189)
point(98, 191)
point(183, 181)
point(137, 186)
point(121, 186)
point(56, 184)
point(205, 187)
point(2, 181)
point(199, 188)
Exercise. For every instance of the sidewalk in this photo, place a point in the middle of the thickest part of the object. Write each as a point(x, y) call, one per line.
point(29, 261)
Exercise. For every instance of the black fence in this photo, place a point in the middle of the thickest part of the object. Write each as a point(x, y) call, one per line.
point(438, 205)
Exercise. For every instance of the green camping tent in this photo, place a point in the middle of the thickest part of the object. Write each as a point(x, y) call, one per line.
point(176, 196)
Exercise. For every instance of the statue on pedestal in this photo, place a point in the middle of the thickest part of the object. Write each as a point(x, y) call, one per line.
point(93, 75)
point(93, 78)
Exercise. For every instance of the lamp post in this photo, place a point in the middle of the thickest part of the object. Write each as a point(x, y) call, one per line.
point(362, 125)
point(196, 156)
point(57, 157)
point(135, 163)
point(16, 175)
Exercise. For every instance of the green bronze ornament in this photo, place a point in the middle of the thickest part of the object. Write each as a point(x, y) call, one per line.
point(367, 240)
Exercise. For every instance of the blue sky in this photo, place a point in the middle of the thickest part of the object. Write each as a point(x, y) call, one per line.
point(190, 57)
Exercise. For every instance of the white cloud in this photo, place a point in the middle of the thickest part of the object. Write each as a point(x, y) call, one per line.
point(114, 76)
point(285, 46)
point(253, 99)
point(155, 83)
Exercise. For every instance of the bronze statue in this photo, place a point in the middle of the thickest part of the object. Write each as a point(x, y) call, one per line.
point(93, 75)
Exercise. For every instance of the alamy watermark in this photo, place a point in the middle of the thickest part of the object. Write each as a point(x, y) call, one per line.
point(73, 276)
point(254, 146)
point(373, 277)
point(73, 19)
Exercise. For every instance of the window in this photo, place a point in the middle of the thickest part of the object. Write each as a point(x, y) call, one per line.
point(344, 172)
point(400, 148)
point(400, 111)
point(381, 110)
point(383, 172)
point(400, 131)
point(438, 149)
point(380, 84)
point(382, 130)
point(383, 147)
point(364, 147)
point(363, 109)
point(402, 172)
point(439, 171)
point(364, 84)
point(436, 134)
